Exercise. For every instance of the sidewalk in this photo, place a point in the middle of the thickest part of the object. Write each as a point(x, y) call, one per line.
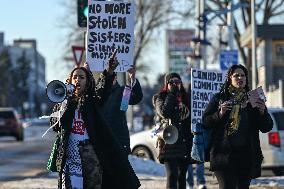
point(49, 181)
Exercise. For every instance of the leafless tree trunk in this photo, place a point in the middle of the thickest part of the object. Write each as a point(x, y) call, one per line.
point(267, 9)
point(151, 16)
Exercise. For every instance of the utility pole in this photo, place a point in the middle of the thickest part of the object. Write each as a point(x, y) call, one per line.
point(197, 47)
point(230, 25)
point(202, 16)
point(253, 45)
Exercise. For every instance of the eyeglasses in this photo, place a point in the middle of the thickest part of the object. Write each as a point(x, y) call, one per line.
point(174, 81)
point(238, 75)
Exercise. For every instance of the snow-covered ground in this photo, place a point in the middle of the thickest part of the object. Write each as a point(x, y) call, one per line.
point(153, 169)
point(146, 170)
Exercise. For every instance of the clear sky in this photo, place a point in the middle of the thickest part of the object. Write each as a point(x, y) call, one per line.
point(34, 19)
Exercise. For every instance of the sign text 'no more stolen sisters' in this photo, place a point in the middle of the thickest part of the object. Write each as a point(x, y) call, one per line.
point(110, 26)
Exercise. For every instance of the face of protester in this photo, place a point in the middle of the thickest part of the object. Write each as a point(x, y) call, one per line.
point(79, 79)
point(174, 82)
point(238, 78)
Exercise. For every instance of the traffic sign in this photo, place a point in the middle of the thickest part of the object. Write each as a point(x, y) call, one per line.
point(78, 54)
point(228, 58)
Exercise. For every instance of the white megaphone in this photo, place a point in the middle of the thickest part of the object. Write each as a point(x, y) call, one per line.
point(169, 134)
point(57, 91)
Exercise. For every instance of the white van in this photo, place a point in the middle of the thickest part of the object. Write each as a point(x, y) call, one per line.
point(272, 143)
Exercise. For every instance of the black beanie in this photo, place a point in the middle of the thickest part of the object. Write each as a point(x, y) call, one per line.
point(171, 75)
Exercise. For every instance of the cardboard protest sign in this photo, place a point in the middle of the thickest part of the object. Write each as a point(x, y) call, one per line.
point(204, 84)
point(110, 27)
point(255, 95)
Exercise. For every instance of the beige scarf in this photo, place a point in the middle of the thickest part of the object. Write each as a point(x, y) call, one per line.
point(235, 116)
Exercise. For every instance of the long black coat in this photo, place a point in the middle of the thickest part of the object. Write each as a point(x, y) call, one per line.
point(167, 108)
point(220, 146)
point(116, 117)
point(110, 153)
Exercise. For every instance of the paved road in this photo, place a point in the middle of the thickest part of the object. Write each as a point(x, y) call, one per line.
point(23, 164)
point(20, 160)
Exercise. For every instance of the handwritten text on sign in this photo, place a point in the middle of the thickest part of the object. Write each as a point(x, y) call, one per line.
point(110, 26)
point(204, 84)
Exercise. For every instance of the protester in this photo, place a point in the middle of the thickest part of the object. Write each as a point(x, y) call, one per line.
point(88, 149)
point(115, 116)
point(199, 169)
point(235, 153)
point(172, 103)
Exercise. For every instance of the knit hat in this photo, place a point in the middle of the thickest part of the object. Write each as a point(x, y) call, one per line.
point(171, 75)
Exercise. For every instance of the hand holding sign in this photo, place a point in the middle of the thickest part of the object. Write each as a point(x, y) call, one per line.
point(131, 73)
point(86, 65)
point(112, 63)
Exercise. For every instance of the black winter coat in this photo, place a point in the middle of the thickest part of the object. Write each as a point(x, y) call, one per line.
point(220, 149)
point(166, 106)
point(116, 117)
point(110, 153)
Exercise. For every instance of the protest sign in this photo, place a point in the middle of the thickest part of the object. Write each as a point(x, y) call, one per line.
point(110, 26)
point(204, 84)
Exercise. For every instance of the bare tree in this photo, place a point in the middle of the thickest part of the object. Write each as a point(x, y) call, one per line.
point(151, 16)
point(5, 64)
point(266, 10)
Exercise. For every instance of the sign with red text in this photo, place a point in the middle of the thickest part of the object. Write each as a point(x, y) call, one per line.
point(178, 49)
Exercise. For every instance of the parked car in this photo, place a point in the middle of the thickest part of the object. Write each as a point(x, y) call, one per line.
point(10, 124)
point(272, 144)
point(143, 145)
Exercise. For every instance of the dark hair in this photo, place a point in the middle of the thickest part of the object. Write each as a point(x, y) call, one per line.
point(170, 76)
point(90, 81)
point(184, 95)
point(224, 89)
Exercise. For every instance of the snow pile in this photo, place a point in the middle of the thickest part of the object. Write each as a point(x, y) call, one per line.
point(149, 167)
point(268, 181)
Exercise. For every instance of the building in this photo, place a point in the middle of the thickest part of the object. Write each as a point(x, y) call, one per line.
point(33, 104)
point(270, 61)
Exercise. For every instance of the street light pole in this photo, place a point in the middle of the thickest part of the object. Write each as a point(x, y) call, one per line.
point(196, 47)
point(201, 34)
point(253, 38)
point(230, 24)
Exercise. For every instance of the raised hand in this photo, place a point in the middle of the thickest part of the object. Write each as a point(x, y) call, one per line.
point(131, 72)
point(112, 63)
point(86, 65)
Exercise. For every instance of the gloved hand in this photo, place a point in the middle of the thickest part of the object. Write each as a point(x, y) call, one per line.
point(112, 63)
point(174, 89)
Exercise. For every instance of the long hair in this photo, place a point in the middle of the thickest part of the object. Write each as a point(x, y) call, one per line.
point(90, 81)
point(184, 95)
point(224, 91)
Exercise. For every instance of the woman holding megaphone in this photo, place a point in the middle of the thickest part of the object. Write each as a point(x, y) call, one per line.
point(87, 147)
point(172, 106)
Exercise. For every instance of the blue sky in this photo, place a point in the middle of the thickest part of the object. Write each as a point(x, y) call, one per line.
point(34, 19)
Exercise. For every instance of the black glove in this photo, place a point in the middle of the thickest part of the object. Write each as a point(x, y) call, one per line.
point(174, 89)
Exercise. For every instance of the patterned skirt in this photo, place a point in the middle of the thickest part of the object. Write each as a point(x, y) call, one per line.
point(82, 169)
